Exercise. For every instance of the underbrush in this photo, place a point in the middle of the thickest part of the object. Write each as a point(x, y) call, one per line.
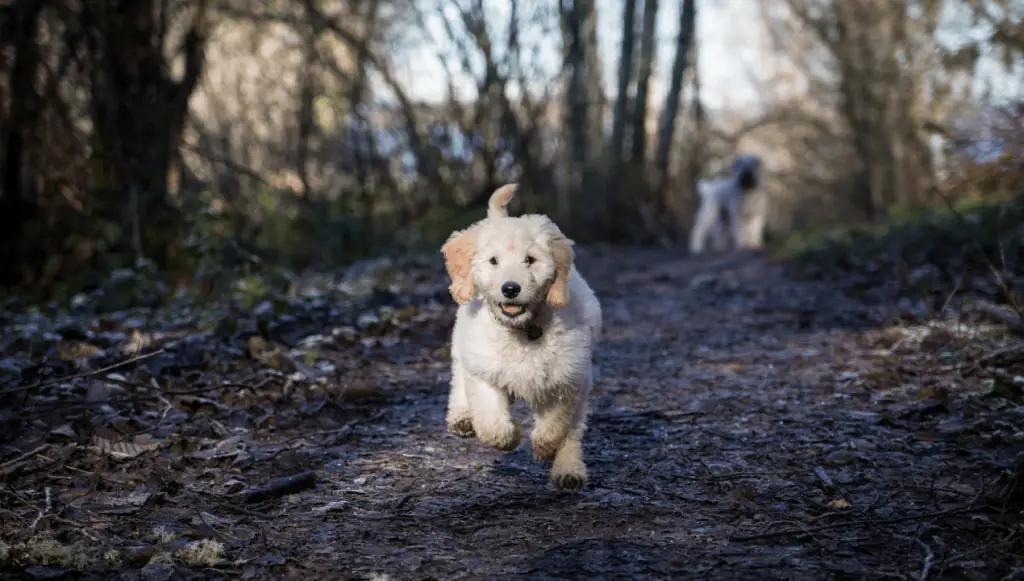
point(969, 250)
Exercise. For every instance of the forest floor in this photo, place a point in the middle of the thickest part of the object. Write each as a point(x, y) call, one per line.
point(747, 423)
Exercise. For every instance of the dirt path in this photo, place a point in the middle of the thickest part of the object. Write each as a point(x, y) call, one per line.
point(737, 431)
point(720, 412)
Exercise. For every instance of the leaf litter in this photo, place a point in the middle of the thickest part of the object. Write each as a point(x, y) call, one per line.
point(747, 423)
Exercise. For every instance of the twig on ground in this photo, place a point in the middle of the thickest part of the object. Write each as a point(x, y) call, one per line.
point(154, 427)
point(969, 367)
point(852, 523)
point(282, 487)
point(929, 557)
point(1000, 315)
point(80, 527)
point(1009, 349)
point(247, 512)
point(344, 430)
point(976, 551)
point(93, 373)
point(824, 478)
point(45, 510)
point(217, 534)
point(135, 399)
point(6, 466)
point(949, 297)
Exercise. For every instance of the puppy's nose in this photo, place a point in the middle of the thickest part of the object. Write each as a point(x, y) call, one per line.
point(510, 289)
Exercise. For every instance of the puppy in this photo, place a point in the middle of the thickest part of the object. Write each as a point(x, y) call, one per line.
point(727, 195)
point(525, 328)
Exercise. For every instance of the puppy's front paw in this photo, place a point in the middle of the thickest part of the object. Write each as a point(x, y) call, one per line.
point(462, 428)
point(569, 479)
point(505, 436)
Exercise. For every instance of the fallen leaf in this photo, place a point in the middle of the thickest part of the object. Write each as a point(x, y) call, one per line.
point(298, 366)
point(233, 486)
point(65, 430)
point(125, 450)
point(75, 350)
point(330, 507)
point(122, 504)
point(228, 448)
point(823, 476)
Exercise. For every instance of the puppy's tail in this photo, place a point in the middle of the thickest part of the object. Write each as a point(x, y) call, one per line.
point(499, 199)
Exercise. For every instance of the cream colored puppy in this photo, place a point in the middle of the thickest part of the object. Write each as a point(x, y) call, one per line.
point(526, 327)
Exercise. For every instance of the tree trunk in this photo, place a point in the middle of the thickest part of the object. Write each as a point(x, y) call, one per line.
point(667, 122)
point(695, 164)
point(642, 82)
point(618, 138)
point(18, 206)
point(593, 80)
point(139, 112)
point(578, 27)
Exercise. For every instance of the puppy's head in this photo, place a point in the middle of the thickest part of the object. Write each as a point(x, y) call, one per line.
point(746, 169)
point(515, 265)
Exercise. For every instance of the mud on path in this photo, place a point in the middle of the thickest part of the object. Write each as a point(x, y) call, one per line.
point(744, 425)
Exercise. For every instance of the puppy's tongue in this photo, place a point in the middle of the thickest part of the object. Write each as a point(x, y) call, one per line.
point(512, 309)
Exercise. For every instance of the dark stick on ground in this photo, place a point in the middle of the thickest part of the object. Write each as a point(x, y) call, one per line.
point(282, 487)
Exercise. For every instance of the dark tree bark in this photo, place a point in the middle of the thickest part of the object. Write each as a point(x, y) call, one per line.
point(667, 122)
point(18, 206)
point(140, 112)
point(583, 104)
point(643, 79)
point(620, 112)
point(695, 164)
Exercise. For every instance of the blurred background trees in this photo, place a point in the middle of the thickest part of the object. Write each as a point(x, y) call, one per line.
point(312, 133)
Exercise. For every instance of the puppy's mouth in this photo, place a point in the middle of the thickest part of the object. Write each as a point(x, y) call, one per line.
point(512, 310)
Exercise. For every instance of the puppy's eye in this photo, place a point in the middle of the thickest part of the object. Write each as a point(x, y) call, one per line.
point(494, 261)
point(530, 260)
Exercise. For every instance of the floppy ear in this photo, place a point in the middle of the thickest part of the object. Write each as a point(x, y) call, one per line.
point(458, 254)
point(561, 253)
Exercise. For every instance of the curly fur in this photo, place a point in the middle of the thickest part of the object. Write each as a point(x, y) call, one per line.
point(534, 346)
point(728, 194)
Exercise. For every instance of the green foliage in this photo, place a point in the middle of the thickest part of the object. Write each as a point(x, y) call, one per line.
point(933, 249)
point(206, 244)
point(323, 232)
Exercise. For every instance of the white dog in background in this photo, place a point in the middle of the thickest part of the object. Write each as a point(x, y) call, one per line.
point(729, 195)
point(526, 328)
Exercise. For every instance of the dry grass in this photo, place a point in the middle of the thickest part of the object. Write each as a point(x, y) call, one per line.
point(42, 550)
point(162, 535)
point(203, 553)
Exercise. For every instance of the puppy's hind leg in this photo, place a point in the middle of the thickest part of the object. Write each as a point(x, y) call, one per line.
point(492, 420)
point(735, 210)
point(459, 418)
point(703, 224)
